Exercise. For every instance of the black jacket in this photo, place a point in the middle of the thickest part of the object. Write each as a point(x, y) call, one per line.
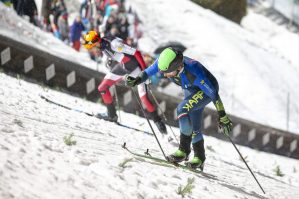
point(25, 7)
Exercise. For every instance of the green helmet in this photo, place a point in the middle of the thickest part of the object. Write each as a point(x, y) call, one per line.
point(169, 60)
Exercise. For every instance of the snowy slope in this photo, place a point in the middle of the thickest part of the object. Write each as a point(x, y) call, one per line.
point(35, 162)
point(256, 66)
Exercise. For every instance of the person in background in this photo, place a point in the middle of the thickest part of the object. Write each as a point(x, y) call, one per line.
point(75, 33)
point(54, 27)
point(123, 26)
point(110, 22)
point(113, 32)
point(83, 8)
point(58, 7)
point(130, 42)
point(26, 7)
point(63, 27)
point(123, 59)
point(200, 88)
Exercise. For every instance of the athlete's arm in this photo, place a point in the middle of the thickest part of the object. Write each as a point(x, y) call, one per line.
point(203, 82)
point(143, 76)
point(205, 85)
point(118, 46)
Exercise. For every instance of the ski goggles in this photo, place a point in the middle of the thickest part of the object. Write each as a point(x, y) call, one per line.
point(90, 44)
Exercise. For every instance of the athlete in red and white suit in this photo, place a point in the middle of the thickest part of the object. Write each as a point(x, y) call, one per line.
point(124, 59)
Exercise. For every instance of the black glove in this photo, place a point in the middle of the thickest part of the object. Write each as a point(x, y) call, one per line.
point(132, 81)
point(225, 124)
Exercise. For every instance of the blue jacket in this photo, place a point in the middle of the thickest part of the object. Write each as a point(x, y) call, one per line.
point(76, 30)
point(193, 77)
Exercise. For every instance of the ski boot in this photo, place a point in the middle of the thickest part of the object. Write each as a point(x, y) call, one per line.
point(110, 116)
point(161, 126)
point(182, 154)
point(158, 121)
point(199, 156)
point(177, 156)
point(195, 163)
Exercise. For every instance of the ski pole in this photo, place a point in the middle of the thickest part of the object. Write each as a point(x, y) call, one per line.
point(246, 164)
point(140, 105)
point(164, 117)
point(117, 103)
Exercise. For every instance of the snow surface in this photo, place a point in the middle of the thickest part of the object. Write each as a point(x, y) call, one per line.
point(35, 162)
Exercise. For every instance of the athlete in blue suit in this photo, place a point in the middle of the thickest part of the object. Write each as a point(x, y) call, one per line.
point(200, 88)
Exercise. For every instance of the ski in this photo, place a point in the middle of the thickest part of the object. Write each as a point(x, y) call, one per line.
point(162, 162)
point(91, 114)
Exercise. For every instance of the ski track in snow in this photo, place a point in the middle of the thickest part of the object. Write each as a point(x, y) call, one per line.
point(35, 162)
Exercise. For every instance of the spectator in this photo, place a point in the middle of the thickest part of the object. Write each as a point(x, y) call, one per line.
point(113, 32)
point(26, 7)
point(63, 27)
point(123, 27)
point(75, 33)
point(45, 13)
point(111, 7)
point(54, 27)
point(130, 42)
point(83, 8)
point(99, 20)
point(110, 22)
point(105, 6)
point(58, 7)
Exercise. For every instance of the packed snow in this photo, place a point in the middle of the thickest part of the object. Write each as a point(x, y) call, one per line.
point(36, 163)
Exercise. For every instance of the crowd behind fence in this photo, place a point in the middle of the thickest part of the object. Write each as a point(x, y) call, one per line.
point(109, 17)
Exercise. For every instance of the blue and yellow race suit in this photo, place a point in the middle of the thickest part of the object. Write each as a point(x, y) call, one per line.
point(200, 88)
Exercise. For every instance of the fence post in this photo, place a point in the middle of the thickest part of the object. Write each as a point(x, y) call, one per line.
point(288, 110)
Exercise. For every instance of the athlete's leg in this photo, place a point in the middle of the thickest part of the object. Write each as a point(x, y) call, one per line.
point(144, 98)
point(189, 111)
point(109, 80)
point(192, 102)
point(197, 138)
point(196, 123)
